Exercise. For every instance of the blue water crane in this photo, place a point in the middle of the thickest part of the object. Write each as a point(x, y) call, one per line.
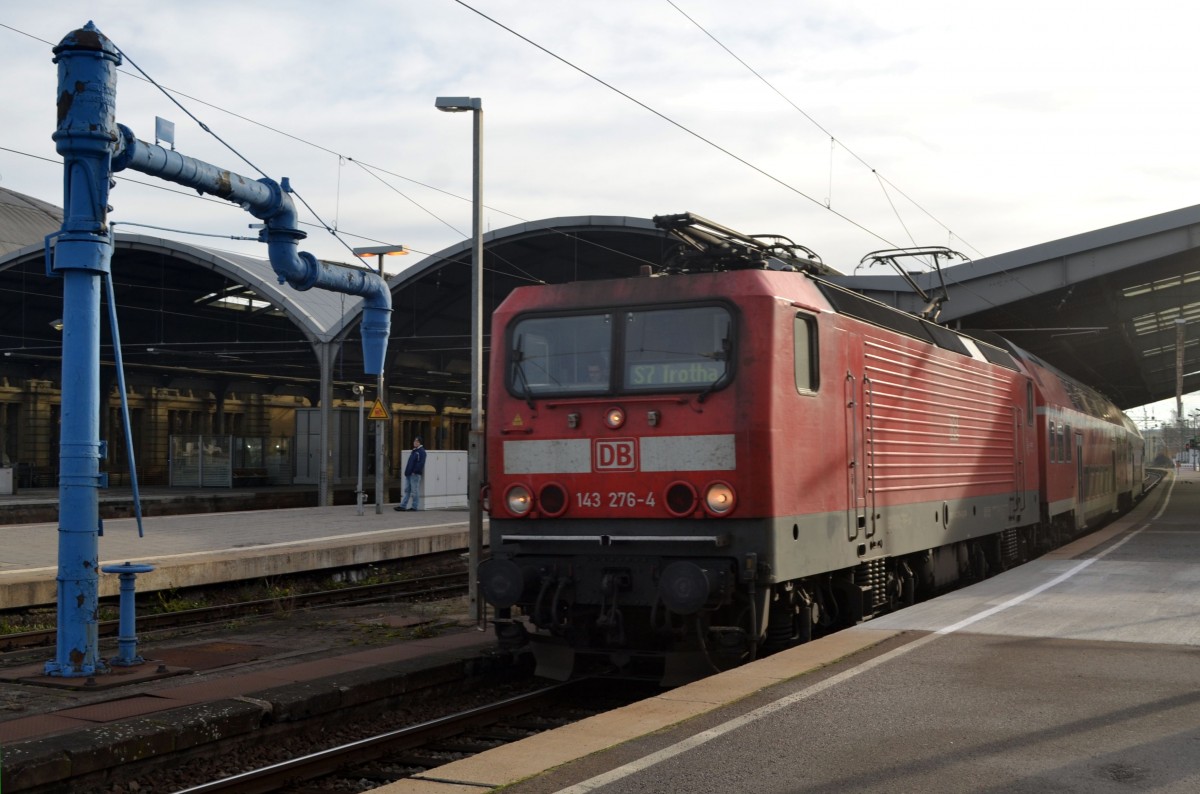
point(93, 146)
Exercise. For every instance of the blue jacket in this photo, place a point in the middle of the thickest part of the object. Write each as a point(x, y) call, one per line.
point(416, 462)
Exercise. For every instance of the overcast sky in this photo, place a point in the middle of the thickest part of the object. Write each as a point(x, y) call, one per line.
point(1009, 125)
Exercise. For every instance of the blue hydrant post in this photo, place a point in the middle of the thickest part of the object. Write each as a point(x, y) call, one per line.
point(127, 655)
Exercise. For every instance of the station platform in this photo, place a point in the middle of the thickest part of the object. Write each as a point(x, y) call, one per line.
point(1079, 671)
point(202, 548)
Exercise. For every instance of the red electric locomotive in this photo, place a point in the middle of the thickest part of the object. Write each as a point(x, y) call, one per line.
point(716, 460)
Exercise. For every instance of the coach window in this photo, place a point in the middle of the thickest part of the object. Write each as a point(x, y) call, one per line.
point(1067, 443)
point(1062, 443)
point(1029, 403)
point(805, 344)
point(1053, 444)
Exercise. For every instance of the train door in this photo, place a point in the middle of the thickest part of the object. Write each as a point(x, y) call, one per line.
point(1017, 500)
point(856, 475)
point(856, 469)
point(1080, 484)
point(1113, 490)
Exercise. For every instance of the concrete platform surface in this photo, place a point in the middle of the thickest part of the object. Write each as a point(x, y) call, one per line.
point(1077, 672)
point(209, 548)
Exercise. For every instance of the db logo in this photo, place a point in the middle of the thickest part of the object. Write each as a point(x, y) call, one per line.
point(618, 454)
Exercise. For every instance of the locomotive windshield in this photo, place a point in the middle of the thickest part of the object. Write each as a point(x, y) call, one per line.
point(644, 350)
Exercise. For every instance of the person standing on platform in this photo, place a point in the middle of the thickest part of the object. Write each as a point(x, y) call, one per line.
point(413, 471)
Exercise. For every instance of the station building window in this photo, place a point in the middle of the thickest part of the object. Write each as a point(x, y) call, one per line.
point(455, 433)
point(413, 426)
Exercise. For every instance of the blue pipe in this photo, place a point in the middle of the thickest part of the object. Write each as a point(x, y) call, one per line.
point(269, 201)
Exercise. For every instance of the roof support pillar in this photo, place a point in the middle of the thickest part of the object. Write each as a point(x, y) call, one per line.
point(326, 353)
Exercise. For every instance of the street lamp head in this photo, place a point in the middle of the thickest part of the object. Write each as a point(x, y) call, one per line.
point(380, 250)
point(458, 104)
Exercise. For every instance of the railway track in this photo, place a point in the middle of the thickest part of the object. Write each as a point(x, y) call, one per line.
point(397, 754)
point(433, 587)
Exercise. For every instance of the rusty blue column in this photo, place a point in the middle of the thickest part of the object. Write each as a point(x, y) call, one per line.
point(85, 138)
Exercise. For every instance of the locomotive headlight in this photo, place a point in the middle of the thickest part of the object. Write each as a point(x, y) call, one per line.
point(519, 500)
point(614, 417)
point(719, 498)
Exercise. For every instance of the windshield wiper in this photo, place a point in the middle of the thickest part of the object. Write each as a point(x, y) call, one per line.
point(517, 358)
point(720, 355)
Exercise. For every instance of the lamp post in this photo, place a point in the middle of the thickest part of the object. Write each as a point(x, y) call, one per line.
point(380, 251)
point(459, 104)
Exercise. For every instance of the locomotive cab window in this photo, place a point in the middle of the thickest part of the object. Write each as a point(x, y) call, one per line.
point(678, 348)
point(805, 343)
point(556, 355)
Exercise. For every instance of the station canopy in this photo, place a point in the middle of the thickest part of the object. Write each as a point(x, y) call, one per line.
point(1105, 306)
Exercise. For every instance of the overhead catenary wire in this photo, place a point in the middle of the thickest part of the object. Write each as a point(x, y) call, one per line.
point(716, 146)
point(336, 232)
point(884, 183)
point(677, 124)
point(333, 231)
point(834, 140)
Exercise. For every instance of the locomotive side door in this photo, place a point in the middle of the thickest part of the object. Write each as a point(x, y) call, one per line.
point(856, 470)
point(856, 503)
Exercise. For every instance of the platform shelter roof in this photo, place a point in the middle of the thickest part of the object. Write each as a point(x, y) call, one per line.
point(1106, 306)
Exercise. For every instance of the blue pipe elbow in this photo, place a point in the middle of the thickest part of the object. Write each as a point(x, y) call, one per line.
point(269, 201)
point(302, 271)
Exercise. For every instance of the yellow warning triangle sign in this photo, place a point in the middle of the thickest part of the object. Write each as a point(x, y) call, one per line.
point(378, 411)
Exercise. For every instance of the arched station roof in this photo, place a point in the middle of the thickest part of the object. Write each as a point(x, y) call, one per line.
point(1102, 306)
